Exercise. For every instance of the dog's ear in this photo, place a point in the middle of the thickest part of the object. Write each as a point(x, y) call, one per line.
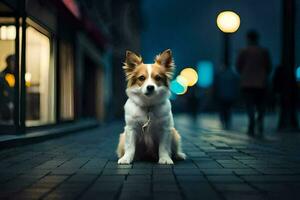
point(131, 61)
point(165, 59)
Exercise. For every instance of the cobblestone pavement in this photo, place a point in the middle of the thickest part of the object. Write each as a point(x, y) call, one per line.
point(220, 165)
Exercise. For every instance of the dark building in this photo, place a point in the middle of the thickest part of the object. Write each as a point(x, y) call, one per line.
point(57, 60)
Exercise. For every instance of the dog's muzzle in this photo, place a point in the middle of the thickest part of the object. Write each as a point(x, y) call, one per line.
point(150, 90)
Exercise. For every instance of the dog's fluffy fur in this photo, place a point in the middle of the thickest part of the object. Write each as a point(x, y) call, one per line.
point(149, 130)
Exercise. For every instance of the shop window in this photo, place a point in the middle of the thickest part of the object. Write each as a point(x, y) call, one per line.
point(7, 69)
point(66, 60)
point(39, 78)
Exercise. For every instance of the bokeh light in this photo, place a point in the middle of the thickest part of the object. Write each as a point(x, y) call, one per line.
point(190, 75)
point(177, 88)
point(205, 73)
point(28, 79)
point(298, 73)
point(228, 21)
point(182, 80)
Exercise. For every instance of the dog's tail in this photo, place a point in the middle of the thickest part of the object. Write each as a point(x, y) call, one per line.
point(120, 150)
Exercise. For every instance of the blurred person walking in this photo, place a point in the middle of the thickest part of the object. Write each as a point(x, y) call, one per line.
point(226, 91)
point(193, 103)
point(254, 65)
point(7, 82)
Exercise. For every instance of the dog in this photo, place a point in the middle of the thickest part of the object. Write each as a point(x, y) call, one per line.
point(149, 131)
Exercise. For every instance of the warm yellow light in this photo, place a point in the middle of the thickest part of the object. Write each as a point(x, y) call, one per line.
point(190, 75)
point(8, 32)
point(3, 32)
point(28, 79)
point(10, 79)
point(228, 21)
point(11, 33)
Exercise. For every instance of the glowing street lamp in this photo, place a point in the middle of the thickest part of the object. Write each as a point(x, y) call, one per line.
point(228, 22)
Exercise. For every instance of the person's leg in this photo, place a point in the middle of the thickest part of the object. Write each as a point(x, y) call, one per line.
point(260, 103)
point(228, 114)
point(250, 107)
point(222, 113)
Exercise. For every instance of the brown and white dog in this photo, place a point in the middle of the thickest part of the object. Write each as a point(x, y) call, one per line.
point(149, 130)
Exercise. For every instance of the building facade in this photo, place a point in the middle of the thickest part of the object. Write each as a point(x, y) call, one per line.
point(55, 65)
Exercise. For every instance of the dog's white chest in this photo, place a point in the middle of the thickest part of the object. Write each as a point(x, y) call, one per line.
point(150, 118)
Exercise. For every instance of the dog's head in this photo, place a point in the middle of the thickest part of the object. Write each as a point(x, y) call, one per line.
point(149, 81)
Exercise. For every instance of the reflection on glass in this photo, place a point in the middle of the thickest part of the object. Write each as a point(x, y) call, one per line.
point(39, 79)
point(7, 70)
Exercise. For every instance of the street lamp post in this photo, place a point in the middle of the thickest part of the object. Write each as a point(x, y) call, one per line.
point(228, 22)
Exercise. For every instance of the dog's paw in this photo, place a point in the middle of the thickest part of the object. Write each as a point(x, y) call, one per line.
point(181, 156)
point(165, 161)
point(124, 160)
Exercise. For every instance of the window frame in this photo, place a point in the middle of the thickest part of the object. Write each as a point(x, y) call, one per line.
point(31, 22)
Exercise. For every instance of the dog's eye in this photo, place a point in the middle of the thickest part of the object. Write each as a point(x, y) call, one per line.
point(141, 78)
point(158, 78)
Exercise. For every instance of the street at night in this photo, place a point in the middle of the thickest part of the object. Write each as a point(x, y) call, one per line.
point(220, 165)
point(149, 100)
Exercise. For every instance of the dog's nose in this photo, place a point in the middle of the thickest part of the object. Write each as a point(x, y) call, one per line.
point(150, 88)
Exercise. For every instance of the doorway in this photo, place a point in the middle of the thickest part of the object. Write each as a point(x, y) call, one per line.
point(92, 98)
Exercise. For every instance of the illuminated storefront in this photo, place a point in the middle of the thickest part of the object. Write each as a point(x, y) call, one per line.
point(38, 67)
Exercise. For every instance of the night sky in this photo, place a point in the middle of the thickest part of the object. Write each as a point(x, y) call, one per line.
point(189, 28)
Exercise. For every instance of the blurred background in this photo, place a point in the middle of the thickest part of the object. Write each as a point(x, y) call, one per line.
point(61, 61)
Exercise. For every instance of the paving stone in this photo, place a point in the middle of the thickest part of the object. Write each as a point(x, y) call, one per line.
point(163, 178)
point(98, 195)
point(167, 195)
point(138, 178)
point(185, 165)
point(140, 171)
point(163, 187)
point(274, 187)
point(105, 186)
point(208, 164)
point(183, 171)
point(116, 171)
point(224, 179)
point(234, 187)
point(272, 178)
point(33, 193)
point(244, 196)
point(201, 190)
point(191, 178)
point(138, 187)
point(129, 195)
point(221, 171)
point(245, 171)
point(111, 178)
point(161, 171)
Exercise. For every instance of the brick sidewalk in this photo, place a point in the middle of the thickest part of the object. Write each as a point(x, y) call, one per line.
point(219, 166)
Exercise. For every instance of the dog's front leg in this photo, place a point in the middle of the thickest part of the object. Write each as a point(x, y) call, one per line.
point(130, 138)
point(165, 148)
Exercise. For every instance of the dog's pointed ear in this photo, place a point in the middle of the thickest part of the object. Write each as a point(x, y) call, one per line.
point(131, 61)
point(165, 59)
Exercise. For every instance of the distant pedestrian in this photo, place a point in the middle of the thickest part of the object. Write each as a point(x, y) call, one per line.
point(7, 82)
point(254, 65)
point(226, 91)
point(286, 97)
point(193, 103)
